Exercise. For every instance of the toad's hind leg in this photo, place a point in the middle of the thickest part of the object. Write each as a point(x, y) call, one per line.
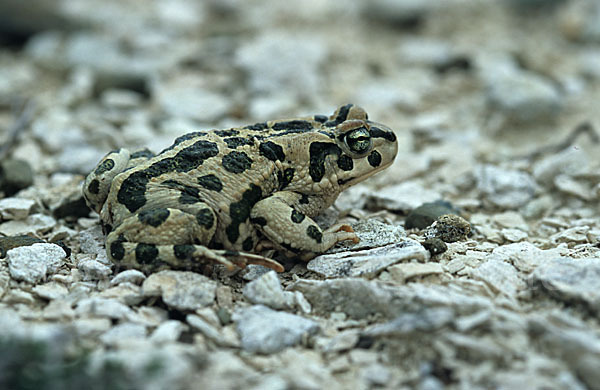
point(163, 238)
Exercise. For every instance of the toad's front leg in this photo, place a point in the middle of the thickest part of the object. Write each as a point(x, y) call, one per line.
point(279, 220)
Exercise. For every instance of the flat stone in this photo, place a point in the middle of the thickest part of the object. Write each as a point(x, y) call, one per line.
point(367, 263)
point(127, 293)
point(93, 269)
point(372, 234)
point(181, 290)
point(423, 321)
point(168, 331)
point(211, 332)
point(500, 276)
point(570, 280)
point(569, 161)
point(128, 276)
point(267, 331)
point(360, 298)
point(15, 208)
point(523, 96)
point(266, 290)
point(34, 224)
point(403, 197)
point(509, 189)
point(123, 334)
point(33, 263)
point(51, 291)
point(403, 272)
point(103, 307)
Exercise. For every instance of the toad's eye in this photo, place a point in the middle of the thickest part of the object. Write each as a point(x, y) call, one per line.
point(358, 140)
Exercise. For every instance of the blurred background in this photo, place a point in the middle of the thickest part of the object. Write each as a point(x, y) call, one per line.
point(490, 78)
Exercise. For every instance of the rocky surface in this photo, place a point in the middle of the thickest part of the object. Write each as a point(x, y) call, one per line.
point(495, 107)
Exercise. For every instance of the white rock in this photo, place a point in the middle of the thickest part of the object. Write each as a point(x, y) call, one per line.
point(424, 51)
point(189, 101)
point(570, 280)
point(367, 263)
point(168, 331)
point(570, 161)
point(127, 293)
point(123, 334)
point(15, 208)
point(266, 331)
point(32, 263)
point(91, 327)
point(266, 290)
point(524, 255)
point(51, 290)
point(521, 95)
point(181, 290)
point(509, 189)
point(132, 276)
point(103, 307)
point(404, 197)
point(360, 298)
point(513, 235)
point(120, 98)
point(91, 241)
point(405, 271)
point(32, 225)
point(274, 76)
point(93, 270)
point(500, 276)
point(211, 332)
point(372, 234)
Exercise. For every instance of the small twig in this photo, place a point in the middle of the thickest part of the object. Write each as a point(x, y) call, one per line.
point(22, 121)
point(582, 128)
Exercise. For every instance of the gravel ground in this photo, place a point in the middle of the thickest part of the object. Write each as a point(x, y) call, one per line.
point(494, 104)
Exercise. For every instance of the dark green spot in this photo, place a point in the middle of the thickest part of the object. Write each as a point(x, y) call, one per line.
point(183, 138)
point(117, 251)
point(146, 253)
point(257, 126)
point(234, 142)
point(318, 152)
point(315, 233)
point(272, 151)
point(153, 217)
point(297, 217)
point(236, 162)
point(132, 193)
point(183, 252)
point(248, 244)
point(259, 221)
point(285, 178)
point(189, 194)
point(345, 163)
point(210, 182)
point(205, 218)
point(320, 118)
point(374, 159)
point(94, 187)
point(226, 133)
point(303, 199)
point(142, 153)
point(240, 211)
point(376, 132)
point(342, 114)
point(293, 125)
point(105, 166)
